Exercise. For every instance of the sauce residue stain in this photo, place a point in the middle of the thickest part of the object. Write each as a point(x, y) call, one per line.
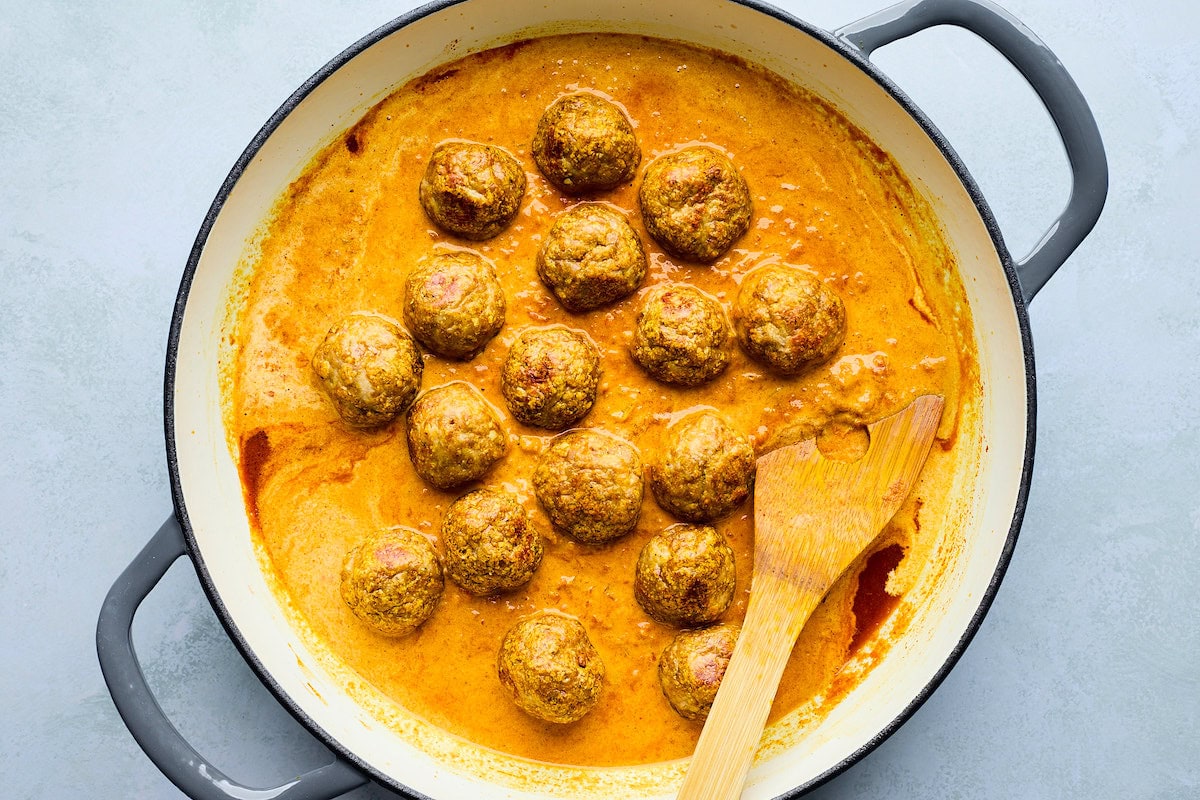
point(255, 451)
point(872, 603)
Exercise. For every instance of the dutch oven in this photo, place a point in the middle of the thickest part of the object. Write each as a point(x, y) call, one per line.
point(210, 523)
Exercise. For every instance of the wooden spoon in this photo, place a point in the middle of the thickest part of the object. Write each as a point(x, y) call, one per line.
point(812, 518)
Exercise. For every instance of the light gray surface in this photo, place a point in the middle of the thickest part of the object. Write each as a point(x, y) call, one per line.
point(117, 127)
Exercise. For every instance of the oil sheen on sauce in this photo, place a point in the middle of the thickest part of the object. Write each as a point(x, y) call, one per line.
point(348, 230)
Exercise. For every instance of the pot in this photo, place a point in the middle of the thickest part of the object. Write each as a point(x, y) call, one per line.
point(211, 526)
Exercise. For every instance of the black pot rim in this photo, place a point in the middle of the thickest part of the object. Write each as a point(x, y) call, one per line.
point(847, 51)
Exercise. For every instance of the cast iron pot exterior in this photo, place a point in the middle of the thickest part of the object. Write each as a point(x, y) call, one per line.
point(205, 486)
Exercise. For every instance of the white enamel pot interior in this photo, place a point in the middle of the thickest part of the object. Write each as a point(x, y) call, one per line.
point(403, 753)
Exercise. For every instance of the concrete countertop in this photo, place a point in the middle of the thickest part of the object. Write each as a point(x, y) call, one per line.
point(117, 126)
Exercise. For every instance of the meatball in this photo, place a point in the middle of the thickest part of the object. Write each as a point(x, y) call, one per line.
point(370, 368)
point(585, 143)
point(787, 319)
point(685, 575)
point(681, 335)
point(489, 542)
point(392, 580)
point(472, 190)
point(454, 435)
point(704, 469)
point(692, 666)
point(695, 203)
point(550, 667)
point(591, 257)
point(453, 304)
point(550, 377)
point(590, 484)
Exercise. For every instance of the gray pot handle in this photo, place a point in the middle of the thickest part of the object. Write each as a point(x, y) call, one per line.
point(186, 768)
point(1046, 74)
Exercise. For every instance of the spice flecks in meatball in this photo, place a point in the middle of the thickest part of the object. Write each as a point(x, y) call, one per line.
point(585, 143)
point(370, 368)
point(681, 335)
point(550, 377)
point(685, 575)
point(473, 190)
point(695, 203)
point(489, 542)
point(591, 257)
point(788, 319)
point(550, 668)
point(590, 485)
point(691, 668)
point(704, 468)
point(453, 304)
point(454, 435)
point(392, 580)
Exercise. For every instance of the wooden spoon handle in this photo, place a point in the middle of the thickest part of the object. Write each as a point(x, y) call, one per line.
point(777, 612)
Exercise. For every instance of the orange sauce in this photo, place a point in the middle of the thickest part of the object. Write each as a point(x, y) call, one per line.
point(346, 233)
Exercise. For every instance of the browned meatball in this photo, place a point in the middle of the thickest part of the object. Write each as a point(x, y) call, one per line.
point(685, 575)
point(489, 542)
point(681, 335)
point(454, 435)
point(592, 256)
point(590, 484)
point(704, 469)
point(788, 319)
point(550, 667)
point(370, 368)
point(473, 190)
point(392, 580)
point(695, 203)
point(453, 304)
point(585, 143)
point(550, 377)
point(692, 666)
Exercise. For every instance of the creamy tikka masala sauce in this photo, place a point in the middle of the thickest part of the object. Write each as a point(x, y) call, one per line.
point(345, 234)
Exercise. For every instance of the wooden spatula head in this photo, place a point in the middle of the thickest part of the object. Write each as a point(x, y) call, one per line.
point(813, 516)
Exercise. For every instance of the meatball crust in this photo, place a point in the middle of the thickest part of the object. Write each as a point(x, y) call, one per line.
point(691, 668)
point(591, 257)
point(585, 143)
point(489, 543)
point(590, 484)
point(787, 319)
point(473, 190)
point(550, 667)
point(685, 575)
point(392, 580)
point(681, 335)
point(550, 377)
point(453, 304)
point(695, 203)
point(704, 469)
point(370, 368)
point(454, 435)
